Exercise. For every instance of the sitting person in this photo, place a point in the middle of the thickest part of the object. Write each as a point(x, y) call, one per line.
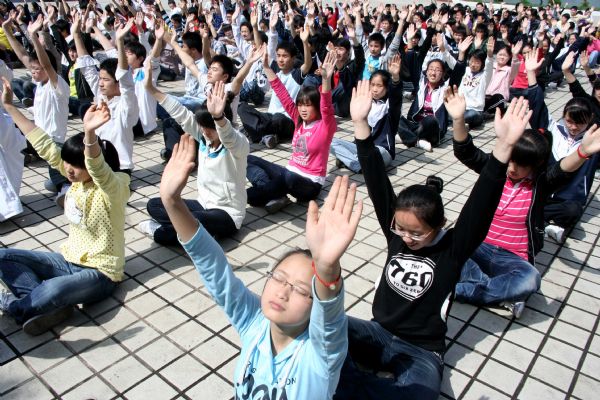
point(407, 335)
point(46, 286)
point(293, 337)
point(386, 89)
point(222, 158)
point(315, 126)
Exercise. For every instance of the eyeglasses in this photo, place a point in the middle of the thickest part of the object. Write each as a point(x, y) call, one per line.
point(405, 234)
point(282, 280)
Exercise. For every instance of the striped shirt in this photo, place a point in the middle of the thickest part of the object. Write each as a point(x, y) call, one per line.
point(509, 228)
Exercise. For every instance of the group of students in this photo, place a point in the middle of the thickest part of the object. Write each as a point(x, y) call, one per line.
point(460, 66)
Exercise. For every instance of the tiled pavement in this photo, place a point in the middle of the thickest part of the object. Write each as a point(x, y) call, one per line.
point(160, 336)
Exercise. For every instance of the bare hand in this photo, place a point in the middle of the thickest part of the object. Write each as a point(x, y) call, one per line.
point(455, 103)
point(360, 105)
point(96, 116)
point(591, 141)
point(531, 61)
point(511, 126)
point(178, 169)
point(217, 99)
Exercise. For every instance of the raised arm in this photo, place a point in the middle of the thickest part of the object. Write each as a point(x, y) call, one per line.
point(185, 58)
point(253, 56)
point(22, 122)
point(121, 32)
point(14, 43)
point(590, 145)
point(304, 35)
point(42, 56)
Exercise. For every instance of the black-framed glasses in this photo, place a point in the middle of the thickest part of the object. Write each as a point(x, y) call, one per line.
point(282, 280)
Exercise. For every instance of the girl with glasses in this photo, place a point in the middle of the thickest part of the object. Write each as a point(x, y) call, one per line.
point(407, 334)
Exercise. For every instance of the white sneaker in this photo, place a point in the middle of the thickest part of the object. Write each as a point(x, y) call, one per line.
point(425, 145)
point(277, 204)
point(148, 227)
point(555, 232)
point(516, 308)
point(60, 197)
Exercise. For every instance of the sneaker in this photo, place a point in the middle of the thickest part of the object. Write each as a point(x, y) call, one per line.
point(425, 145)
point(516, 308)
point(60, 197)
point(27, 102)
point(275, 205)
point(6, 298)
point(39, 324)
point(555, 232)
point(148, 227)
point(270, 141)
point(165, 154)
point(51, 187)
point(339, 163)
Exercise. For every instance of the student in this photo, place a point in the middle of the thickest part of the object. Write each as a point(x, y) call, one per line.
point(315, 126)
point(113, 84)
point(221, 201)
point(475, 81)
point(426, 122)
point(277, 124)
point(44, 287)
point(383, 118)
point(497, 92)
point(501, 271)
point(51, 102)
point(413, 298)
point(565, 206)
point(374, 59)
point(575, 87)
point(293, 338)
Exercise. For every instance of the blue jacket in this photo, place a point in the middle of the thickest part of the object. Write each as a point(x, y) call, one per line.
point(308, 368)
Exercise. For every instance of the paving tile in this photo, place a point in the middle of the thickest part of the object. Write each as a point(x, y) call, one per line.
point(93, 388)
point(47, 355)
point(66, 375)
point(499, 376)
point(552, 373)
point(578, 317)
point(19, 373)
point(570, 334)
point(159, 353)
point(214, 352)
point(184, 371)
point(479, 391)
point(453, 382)
point(214, 385)
point(153, 387)
point(34, 389)
point(513, 355)
point(586, 388)
point(103, 354)
point(534, 389)
point(463, 359)
point(126, 373)
point(562, 352)
point(591, 365)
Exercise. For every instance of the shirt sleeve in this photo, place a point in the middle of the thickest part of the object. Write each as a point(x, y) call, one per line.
point(87, 65)
point(114, 185)
point(183, 116)
point(233, 140)
point(46, 148)
point(229, 292)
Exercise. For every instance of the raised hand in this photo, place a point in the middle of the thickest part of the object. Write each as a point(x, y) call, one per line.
point(440, 42)
point(531, 61)
point(455, 103)
point(465, 44)
point(410, 32)
point(328, 65)
point(557, 38)
point(584, 59)
point(124, 29)
point(256, 53)
point(76, 25)
point(490, 47)
point(159, 29)
point(590, 144)
point(96, 116)
point(35, 26)
point(394, 67)
point(178, 169)
point(511, 126)
point(304, 34)
point(217, 99)
point(330, 232)
point(254, 17)
point(360, 105)
point(351, 32)
point(7, 93)
point(517, 48)
point(568, 62)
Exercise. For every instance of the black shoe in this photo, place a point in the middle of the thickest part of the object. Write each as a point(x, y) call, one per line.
point(339, 163)
point(27, 102)
point(39, 324)
point(165, 154)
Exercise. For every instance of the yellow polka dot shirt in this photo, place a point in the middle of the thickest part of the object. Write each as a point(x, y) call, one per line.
point(95, 210)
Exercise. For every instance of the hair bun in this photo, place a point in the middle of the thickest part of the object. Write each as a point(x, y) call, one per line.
point(436, 183)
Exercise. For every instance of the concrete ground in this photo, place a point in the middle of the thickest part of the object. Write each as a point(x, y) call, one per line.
point(160, 336)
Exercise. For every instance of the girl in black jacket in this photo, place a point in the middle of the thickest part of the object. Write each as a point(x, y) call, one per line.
point(407, 335)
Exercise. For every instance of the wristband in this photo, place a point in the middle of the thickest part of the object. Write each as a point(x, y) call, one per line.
point(219, 118)
point(91, 144)
point(581, 154)
point(331, 285)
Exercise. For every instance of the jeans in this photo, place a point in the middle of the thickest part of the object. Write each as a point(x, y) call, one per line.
point(55, 176)
point(43, 282)
point(594, 56)
point(493, 275)
point(417, 372)
point(251, 92)
point(271, 181)
point(23, 88)
point(347, 153)
point(217, 222)
point(474, 118)
point(189, 102)
point(78, 107)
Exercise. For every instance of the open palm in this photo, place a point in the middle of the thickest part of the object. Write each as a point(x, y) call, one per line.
point(179, 167)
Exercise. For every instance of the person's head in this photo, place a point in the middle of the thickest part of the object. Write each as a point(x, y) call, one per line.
point(38, 73)
point(263, 26)
point(63, 27)
point(565, 17)
point(286, 299)
point(246, 30)
point(207, 125)
point(459, 33)
point(376, 44)
point(192, 44)
point(308, 102)
point(286, 52)
point(386, 23)
point(578, 115)
point(435, 72)
point(503, 56)
point(529, 155)
point(107, 81)
point(477, 61)
point(74, 159)
point(545, 45)
point(172, 5)
point(177, 20)
point(135, 53)
point(479, 7)
point(342, 51)
point(220, 69)
point(481, 31)
point(572, 38)
point(419, 213)
point(378, 84)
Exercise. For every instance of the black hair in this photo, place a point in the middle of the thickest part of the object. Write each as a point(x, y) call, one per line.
point(531, 150)
point(137, 49)
point(297, 21)
point(442, 64)
point(110, 66)
point(193, 40)
point(204, 118)
point(226, 63)
point(226, 27)
point(247, 25)
point(424, 201)
point(579, 110)
point(341, 42)
point(289, 253)
point(288, 47)
point(72, 152)
point(480, 55)
point(176, 18)
point(377, 37)
point(34, 57)
point(385, 76)
point(62, 25)
point(309, 95)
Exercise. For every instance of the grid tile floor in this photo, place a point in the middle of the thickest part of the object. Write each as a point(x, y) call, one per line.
point(161, 336)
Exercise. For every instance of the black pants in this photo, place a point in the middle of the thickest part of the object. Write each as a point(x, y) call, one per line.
point(258, 124)
point(217, 222)
point(427, 129)
point(563, 213)
point(494, 101)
